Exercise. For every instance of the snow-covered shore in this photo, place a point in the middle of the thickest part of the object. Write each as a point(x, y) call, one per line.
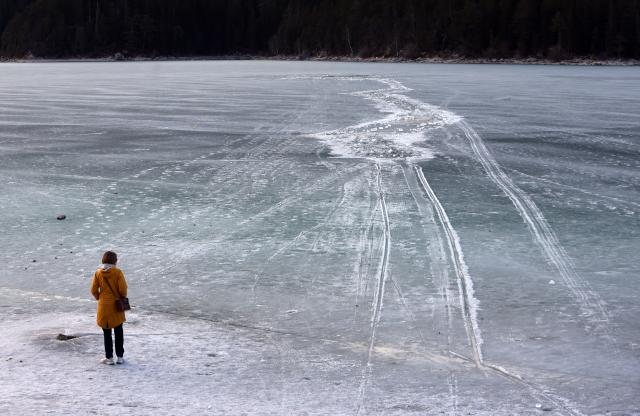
point(174, 365)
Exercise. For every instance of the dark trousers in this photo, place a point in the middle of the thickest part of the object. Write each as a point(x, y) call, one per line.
point(108, 343)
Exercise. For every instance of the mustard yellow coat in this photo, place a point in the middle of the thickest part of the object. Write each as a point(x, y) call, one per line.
point(108, 315)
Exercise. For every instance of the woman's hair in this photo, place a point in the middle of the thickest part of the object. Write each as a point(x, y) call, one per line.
point(109, 257)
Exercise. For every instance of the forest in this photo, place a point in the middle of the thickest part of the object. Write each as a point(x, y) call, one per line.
point(408, 29)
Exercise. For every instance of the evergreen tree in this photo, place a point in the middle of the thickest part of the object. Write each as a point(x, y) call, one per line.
point(398, 28)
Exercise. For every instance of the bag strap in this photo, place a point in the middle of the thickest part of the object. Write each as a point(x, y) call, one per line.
point(112, 291)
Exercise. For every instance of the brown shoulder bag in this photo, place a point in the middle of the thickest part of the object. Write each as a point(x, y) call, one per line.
point(122, 303)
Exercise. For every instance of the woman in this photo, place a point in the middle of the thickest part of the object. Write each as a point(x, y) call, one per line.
point(107, 279)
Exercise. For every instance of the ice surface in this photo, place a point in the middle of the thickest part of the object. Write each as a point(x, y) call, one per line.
point(323, 238)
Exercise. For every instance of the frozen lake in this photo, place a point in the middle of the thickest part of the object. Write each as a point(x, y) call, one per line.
point(324, 238)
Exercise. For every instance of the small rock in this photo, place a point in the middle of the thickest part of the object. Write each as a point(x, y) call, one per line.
point(61, 217)
point(34, 261)
point(63, 337)
point(306, 378)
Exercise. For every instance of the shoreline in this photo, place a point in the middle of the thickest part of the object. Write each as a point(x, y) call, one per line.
point(578, 61)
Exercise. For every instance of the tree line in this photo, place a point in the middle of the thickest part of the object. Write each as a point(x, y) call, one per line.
point(553, 29)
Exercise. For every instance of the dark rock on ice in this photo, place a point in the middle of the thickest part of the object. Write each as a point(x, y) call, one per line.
point(63, 337)
point(61, 217)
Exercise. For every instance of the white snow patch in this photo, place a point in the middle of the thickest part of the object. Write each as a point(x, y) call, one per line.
point(400, 134)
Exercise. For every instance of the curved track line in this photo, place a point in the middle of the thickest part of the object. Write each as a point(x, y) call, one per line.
point(378, 299)
point(365, 255)
point(589, 301)
point(467, 299)
point(469, 303)
point(440, 275)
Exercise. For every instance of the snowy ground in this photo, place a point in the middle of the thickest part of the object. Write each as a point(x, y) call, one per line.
point(322, 238)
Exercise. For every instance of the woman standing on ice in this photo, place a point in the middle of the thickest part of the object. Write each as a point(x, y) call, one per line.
point(109, 278)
